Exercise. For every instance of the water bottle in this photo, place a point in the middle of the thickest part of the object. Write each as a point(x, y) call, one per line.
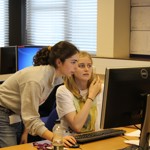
point(58, 136)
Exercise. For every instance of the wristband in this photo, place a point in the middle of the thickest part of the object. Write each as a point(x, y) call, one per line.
point(91, 99)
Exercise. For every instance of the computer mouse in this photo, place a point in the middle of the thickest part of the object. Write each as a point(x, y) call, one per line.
point(76, 145)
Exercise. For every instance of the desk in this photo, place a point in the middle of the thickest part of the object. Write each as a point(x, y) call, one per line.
point(106, 144)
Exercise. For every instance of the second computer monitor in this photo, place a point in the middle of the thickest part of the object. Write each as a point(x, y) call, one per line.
point(25, 55)
point(125, 94)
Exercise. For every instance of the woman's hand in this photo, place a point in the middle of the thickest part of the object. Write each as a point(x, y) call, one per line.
point(24, 137)
point(69, 141)
point(95, 87)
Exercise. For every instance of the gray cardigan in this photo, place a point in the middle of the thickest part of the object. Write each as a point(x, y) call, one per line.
point(25, 91)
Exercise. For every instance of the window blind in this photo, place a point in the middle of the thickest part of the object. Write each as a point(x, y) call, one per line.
point(4, 23)
point(50, 21)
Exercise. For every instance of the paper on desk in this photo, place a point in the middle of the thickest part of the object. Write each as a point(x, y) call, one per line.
point(133, 142)
point(134, 133)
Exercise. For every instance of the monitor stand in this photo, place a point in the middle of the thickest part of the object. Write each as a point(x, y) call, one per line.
point(145, 133)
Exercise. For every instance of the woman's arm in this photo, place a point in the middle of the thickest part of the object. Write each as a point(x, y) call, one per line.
point(77, 120)
point(67, 140)
point(24, 137)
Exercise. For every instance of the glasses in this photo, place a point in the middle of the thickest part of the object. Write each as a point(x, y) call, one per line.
point(85, 65)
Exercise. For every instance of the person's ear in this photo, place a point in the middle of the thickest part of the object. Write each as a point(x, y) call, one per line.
point(58, 62)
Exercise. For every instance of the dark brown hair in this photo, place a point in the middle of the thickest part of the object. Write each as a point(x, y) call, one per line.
point(48, 55)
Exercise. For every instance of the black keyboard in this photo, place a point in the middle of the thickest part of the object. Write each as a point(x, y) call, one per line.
point(98, 135)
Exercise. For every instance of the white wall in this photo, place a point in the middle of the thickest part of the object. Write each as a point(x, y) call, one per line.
point(124, 29)
point(140, 27)
point(113, 28)
point(102, 63)
point(138, 41)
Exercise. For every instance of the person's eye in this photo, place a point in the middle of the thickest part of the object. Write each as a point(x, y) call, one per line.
point(73, 62)
point(81, 65)
point(89, 65)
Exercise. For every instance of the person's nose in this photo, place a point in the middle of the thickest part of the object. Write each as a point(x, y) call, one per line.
point(86, 68)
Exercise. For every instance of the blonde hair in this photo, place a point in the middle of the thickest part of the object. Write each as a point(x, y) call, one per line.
point(70, 81)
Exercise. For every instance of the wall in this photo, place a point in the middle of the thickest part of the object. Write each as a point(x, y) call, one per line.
point(123, 29)
point(140, 27)
point(102, 63)
point(113, 28)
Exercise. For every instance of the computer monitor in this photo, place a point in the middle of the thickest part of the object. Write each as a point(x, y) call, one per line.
point(8, 63)
point(125, 97)
point(25, 56)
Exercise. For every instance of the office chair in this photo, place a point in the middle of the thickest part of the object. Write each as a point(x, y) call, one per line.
point(50, 122)
point(46, 108)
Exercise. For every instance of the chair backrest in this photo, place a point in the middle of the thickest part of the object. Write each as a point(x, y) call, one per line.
point(53, 116)
point(46, 108)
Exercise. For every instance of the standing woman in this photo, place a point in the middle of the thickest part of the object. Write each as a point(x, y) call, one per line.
point(23, 93)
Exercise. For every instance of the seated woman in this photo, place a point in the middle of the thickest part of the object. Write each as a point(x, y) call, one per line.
point(79, 100)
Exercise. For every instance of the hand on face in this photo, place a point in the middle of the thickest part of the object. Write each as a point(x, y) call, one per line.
point(95, 87)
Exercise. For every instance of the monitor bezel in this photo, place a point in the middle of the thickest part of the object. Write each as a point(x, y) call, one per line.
point(145, 121)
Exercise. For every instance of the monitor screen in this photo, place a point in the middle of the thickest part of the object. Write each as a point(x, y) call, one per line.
point(8, 63)
point(25, 55)
point(125, 97)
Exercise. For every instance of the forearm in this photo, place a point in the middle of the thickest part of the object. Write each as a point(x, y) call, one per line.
point(67, 140)
point(48, 135)
point(79, 119)
point(25, 131)
point(24, 137)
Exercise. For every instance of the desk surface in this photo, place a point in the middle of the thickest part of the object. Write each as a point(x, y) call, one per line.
point(106, 144)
